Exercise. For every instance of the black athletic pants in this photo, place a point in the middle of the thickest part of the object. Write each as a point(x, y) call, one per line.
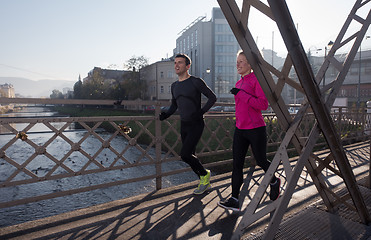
point(191, 132)
point(242, 139)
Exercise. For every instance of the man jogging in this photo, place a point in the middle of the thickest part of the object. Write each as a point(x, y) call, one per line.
point(186, 97)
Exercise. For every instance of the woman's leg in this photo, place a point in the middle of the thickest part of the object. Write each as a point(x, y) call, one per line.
point(240, 147)
point(258, 139)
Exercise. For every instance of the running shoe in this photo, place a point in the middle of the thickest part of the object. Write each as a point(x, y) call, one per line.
point(230, 204)
point(204, 184)
point(275, 189)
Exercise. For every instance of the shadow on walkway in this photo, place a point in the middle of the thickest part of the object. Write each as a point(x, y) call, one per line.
point(175, 213)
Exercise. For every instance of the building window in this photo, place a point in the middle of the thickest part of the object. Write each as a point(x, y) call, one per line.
point(161, 74)
point(188, 43)
point(192, 40)
point(343, 92)
point(162, 89)
point(219, 27)
point(368, 68)
point(353, 70)
point(169, 89)
point(196, 38)
point(219, 69)
point(170, 74)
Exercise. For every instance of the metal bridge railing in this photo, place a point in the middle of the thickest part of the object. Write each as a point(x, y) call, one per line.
point(70, 148)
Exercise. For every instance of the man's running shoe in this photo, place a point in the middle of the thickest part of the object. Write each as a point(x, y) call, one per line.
point(275, 190)
point(230, 204)
point(204, 184)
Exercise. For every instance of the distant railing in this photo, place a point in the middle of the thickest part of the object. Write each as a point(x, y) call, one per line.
point(69, 148)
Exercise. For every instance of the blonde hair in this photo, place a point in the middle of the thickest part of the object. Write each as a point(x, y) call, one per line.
point(240, 52)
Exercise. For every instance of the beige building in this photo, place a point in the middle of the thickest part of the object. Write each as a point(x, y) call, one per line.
point(7, 90)
point(159, 76)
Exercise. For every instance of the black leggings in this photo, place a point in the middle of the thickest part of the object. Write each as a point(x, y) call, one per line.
point(242, 139)
point(191, 133)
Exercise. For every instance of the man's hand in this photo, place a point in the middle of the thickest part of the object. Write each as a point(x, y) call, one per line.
point(163, 116)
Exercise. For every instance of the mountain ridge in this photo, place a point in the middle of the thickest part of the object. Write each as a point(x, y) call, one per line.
point(36, 88)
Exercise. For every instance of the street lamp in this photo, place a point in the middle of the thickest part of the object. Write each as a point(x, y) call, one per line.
point(359, 75)
point(219, 79)
point(207, 71)
point(328, 45)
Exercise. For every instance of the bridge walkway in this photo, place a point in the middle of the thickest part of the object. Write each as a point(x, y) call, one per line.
point(175, 213)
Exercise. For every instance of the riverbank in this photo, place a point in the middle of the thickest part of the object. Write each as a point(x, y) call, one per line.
point(6, 108)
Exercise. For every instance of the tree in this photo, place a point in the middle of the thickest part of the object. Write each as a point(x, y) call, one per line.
point(94, 88)
point(121, 87)
point(136, 63)
point(132, 87)
point(56, 94)
point(77, 89)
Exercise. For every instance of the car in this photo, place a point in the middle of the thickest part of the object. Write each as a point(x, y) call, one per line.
point(229, 109)
point(293, 110)
point(216, 109)
point(150, 108)
point(165, 108)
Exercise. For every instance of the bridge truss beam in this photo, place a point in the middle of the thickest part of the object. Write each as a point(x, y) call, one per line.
point(318, 100)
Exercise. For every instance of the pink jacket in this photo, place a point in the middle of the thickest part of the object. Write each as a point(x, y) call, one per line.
point(250, 101)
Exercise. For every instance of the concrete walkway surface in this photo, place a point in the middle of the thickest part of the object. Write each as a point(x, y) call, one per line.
point(175, 213)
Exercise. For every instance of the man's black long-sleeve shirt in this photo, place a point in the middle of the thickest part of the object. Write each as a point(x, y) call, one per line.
point(186, 97)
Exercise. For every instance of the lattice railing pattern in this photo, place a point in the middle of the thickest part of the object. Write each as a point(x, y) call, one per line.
point(31, 166)
point(35, 150)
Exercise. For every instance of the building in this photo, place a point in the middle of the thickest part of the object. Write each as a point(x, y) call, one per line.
point(357, 79)
point(159, 76)
point(7, 90)
point(212, 47)
point(107, 74)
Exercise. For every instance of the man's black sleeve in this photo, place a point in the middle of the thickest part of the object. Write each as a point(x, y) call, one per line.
point(205, 90)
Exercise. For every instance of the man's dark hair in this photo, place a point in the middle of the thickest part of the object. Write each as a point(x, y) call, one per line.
point(185, 56)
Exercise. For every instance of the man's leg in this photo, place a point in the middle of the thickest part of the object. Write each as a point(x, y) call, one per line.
point(192, 134)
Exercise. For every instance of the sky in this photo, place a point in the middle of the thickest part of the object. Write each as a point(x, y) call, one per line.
point(62, 39)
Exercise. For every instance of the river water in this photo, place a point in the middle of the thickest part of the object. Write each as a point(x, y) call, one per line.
point(42, 165)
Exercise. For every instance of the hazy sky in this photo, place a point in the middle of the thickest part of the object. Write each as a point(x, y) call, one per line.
point(60, 39)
